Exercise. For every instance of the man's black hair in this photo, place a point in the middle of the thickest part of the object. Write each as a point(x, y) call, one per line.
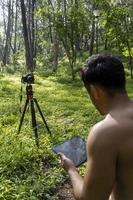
point(106, 71)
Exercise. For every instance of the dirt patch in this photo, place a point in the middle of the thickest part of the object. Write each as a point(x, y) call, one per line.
point(65, 192)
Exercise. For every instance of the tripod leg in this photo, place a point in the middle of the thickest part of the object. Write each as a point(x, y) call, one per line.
point(42, 116)
point(34, 124)
point(22, 117)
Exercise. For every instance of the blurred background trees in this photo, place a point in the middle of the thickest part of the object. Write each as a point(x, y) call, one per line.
point(43, 32)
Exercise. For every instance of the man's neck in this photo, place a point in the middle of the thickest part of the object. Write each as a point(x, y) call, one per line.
point(118, 102)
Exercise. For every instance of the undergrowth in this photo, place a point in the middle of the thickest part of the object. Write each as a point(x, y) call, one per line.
point(26, 171)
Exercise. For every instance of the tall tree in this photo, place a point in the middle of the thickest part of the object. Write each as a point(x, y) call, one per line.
point(6, 50)
point(29, 33)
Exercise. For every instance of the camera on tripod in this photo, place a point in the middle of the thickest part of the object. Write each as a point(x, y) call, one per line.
point(31, 101)
point(28, 78)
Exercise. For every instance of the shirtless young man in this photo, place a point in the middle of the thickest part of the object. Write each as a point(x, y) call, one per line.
point(109, 169)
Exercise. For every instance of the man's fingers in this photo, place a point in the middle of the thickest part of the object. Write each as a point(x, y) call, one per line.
point(62, 156)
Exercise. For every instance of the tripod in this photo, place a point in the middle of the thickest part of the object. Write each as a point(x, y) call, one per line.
point(31, 100)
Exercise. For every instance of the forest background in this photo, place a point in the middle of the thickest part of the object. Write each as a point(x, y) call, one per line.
point(52, 38)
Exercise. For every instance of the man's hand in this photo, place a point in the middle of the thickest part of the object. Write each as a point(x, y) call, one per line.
point(66, 163)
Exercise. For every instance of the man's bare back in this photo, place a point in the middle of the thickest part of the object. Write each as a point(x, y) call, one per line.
point(123, 141)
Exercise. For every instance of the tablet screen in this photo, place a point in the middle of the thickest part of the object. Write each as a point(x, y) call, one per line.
point(74, 149)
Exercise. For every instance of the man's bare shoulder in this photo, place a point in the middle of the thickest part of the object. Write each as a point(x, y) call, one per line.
point(103, 134)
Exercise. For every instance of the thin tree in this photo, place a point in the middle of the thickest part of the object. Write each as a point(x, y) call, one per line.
point(28, 32)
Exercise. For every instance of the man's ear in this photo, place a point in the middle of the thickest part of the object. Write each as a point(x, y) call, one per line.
point(95, 91)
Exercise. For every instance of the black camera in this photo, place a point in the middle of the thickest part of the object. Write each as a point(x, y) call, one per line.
point(28, 78)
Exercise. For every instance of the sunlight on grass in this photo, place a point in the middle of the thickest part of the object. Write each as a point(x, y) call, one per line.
point(15, 79)
point(67, 110)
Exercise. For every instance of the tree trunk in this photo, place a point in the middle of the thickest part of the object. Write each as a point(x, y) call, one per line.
point(129, 49)
point(50, 27)
point(55, 52)
point(97, 38)
point(8, 36)
point(15, 32)
point(29, 58)
point(92, 37)
point(106, 44)
point(33, 40)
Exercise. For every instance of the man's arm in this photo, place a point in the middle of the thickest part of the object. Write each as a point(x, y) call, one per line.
point(100, 171)
point(76, 179)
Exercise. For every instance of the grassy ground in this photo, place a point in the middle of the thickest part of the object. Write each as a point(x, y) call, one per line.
point(28, 172)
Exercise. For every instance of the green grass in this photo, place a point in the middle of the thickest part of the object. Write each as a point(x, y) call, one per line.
point(28, 172)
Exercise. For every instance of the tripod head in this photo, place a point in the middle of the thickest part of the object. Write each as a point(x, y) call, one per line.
point(28, 78)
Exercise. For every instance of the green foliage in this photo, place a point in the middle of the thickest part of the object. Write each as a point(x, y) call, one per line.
point(126, 52)
point(68, 24)
point(117, 27)
point(28, 172)
point(71, 22)
point(71, 26)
